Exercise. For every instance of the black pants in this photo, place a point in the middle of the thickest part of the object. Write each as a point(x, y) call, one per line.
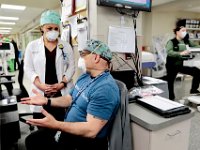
point(16, 62)
point(57, 112)
point(172, 72)
point(43, 139)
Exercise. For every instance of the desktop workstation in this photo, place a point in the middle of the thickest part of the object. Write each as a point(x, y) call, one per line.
point(6, 54)
point(157, 131)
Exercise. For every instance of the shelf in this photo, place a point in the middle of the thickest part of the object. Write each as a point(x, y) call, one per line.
point(198, 29)
point(195, 39)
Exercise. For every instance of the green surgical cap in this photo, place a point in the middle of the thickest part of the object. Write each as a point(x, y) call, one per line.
point(50, 17)
point(99, 48)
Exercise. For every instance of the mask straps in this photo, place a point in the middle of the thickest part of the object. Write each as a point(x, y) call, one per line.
point(96, 48)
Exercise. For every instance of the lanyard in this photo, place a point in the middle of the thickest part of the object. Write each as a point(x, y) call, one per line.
point(64, 55)
point(87, 85)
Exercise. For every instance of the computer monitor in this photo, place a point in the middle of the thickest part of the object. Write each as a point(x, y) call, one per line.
point(126, 76)
point(140, 5)
point(5, 46)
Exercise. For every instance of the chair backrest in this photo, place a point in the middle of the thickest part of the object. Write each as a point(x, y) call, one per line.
point(126, 76)
point(120, 136)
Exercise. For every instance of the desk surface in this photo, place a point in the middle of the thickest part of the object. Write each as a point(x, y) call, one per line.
point(7, 82)
point(3, 75)
point(152, 121)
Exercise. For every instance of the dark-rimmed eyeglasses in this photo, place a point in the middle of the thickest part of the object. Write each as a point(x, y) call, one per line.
point(51, 28)
point(84, 53)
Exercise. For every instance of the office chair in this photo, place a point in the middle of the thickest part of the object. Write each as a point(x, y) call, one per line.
point(18, 92)
point(120, 137)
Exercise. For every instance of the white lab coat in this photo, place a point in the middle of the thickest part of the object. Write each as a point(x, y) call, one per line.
point(35, 65)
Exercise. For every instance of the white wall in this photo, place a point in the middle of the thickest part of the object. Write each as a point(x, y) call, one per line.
point(162, 23)
point(101, 18)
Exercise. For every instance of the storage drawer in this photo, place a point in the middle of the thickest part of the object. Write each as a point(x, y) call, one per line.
point(174, 137)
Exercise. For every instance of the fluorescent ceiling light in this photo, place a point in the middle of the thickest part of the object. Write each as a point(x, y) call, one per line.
point(8, 23)
point(4, 31)
point(5, 28)
point(8, 18)
point(17, 7)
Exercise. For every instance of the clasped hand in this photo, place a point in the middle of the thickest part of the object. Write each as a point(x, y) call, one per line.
point(185, 52)
point(52, 89)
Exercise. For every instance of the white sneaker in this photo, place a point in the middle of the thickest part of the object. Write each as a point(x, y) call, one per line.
point(198, 108)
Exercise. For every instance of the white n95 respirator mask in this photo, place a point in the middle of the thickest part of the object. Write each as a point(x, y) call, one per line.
point(52, 35)
point(183, 34)
point(81, 65)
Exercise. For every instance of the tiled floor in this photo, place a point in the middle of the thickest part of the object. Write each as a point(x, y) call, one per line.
point(181, 89)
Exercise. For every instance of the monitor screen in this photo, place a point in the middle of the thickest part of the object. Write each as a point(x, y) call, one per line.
point(126, 76)
point(5, 46)
point(140, 5)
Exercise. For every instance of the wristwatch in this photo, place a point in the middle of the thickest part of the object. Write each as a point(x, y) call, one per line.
point(48, 102)
point(64, 83)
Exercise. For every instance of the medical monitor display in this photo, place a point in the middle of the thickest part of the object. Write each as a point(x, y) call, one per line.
point(140, 5)
point(5, 46)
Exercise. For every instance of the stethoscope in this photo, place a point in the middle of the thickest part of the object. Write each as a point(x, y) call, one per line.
point(63, 54)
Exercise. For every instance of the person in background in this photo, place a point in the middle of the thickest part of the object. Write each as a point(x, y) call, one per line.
point(177, 52)
point(93, 105)
point(16, 54)
point(49, 64)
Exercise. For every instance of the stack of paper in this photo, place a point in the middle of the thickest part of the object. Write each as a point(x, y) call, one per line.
point(161, 102)
point(150, 80)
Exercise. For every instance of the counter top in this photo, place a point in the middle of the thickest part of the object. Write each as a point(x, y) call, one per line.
point(152, 121)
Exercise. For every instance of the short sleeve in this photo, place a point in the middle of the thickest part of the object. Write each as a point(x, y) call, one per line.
point(103, 102)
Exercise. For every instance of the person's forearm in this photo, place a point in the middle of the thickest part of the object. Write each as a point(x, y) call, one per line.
point(63, 101)
point(76, 128)
point(37, 82)
point(64, 79)
point(90, 128)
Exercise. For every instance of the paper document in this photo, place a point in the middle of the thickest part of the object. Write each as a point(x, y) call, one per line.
point(145, 91)
point(67, 9)
point(80, 5)
point(150, 80)
point(194, 50)
point(161, 102)
point(121, 39)
point(82, 36)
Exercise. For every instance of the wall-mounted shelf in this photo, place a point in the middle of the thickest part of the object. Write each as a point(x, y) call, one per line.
point(195, 39)
point(194, 34)
point(197, 29)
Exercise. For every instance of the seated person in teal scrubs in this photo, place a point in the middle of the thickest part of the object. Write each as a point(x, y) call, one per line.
point(176, 54)
point(93, 104)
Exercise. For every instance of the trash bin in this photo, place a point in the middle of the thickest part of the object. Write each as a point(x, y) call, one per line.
point(9, 122)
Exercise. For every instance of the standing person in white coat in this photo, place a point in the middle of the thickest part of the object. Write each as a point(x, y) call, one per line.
point(49, 63)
